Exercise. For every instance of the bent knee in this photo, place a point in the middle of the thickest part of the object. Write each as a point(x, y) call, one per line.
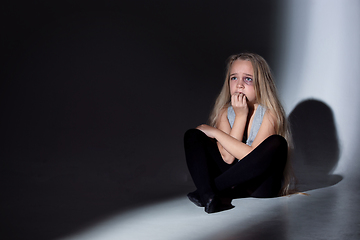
point(276, 142)
point(192, 136)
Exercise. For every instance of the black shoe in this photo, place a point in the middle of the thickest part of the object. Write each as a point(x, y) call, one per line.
point(214, 204)
point(195, 198)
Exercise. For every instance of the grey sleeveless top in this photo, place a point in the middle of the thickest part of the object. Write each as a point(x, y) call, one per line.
point(258, 118)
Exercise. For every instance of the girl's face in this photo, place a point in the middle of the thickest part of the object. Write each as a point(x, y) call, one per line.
point(242, 79)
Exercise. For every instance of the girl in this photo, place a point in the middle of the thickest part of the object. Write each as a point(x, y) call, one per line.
point(243, 152)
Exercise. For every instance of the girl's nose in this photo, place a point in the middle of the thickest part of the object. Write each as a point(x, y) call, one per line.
point(240, 83)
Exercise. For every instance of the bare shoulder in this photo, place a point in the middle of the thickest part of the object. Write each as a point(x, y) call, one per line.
point(223, 113)
point(222, 116)
point(269, 123)
point(223, 123)
point(270, 116)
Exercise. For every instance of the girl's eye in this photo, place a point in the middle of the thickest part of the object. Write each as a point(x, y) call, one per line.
point(233, 78)
point(248, 80)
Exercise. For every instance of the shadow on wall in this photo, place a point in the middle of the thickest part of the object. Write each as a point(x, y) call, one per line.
point(316, 147)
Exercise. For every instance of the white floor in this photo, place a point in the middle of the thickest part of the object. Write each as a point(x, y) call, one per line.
point(328, 213)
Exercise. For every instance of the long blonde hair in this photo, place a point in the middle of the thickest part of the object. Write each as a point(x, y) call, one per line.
point(266, 95)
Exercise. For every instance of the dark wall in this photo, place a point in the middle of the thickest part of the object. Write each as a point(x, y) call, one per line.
point(96, 96)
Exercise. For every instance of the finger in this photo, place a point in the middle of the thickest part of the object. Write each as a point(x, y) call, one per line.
point(244, 100)
point(233, 99)
point(240, 97)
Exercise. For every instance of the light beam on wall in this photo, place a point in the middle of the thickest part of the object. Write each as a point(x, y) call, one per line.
point(319, 58)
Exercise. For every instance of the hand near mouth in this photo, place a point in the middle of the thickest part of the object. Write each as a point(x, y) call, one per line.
point(239, 104)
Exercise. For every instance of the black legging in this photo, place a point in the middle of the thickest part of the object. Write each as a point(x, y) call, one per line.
point(259, 174)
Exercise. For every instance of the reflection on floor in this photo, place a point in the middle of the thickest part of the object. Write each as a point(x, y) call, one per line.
point(328, 213)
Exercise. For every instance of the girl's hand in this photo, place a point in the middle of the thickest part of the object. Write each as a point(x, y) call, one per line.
point(239, 104)
point(208, 130)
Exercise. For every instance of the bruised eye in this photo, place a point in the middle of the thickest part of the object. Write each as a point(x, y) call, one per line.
point(248, 80)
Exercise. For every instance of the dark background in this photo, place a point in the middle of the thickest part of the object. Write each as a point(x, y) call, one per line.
point(96, 97)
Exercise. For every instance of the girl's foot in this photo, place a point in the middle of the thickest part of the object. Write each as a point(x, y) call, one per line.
point(195, 198)
point(214, 204)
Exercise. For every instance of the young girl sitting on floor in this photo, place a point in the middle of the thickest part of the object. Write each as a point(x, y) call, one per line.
point(243, 152)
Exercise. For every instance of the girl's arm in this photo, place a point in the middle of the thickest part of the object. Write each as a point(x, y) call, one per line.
point(241, 109)
point(234, 146)
point(237, 132)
